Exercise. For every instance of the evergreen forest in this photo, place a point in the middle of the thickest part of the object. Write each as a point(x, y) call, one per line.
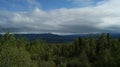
point(102, 51)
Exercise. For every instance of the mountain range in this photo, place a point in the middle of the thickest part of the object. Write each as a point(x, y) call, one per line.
point(60, 38)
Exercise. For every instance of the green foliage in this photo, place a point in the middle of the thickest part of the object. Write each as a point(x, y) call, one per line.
point(102, 51)
point(11, 56)
point(47, 64)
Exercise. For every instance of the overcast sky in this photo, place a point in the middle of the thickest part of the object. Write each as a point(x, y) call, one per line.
point(59, 16)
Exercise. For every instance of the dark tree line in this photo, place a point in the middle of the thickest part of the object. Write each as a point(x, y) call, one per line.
point(102, 51)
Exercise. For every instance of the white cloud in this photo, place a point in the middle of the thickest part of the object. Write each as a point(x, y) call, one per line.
point(104, 17)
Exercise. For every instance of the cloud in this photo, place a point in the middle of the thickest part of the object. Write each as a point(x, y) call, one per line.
point(18, 5)
point(104, 17)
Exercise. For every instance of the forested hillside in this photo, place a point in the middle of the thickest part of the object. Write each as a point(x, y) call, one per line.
point(102, 51)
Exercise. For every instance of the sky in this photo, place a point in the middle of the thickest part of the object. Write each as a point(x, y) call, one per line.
point(60, 16)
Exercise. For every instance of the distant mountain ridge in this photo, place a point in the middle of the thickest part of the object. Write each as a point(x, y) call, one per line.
point(47, 37)
point(60, 38)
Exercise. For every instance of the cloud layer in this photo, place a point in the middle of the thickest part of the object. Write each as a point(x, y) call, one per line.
point(104, 17)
